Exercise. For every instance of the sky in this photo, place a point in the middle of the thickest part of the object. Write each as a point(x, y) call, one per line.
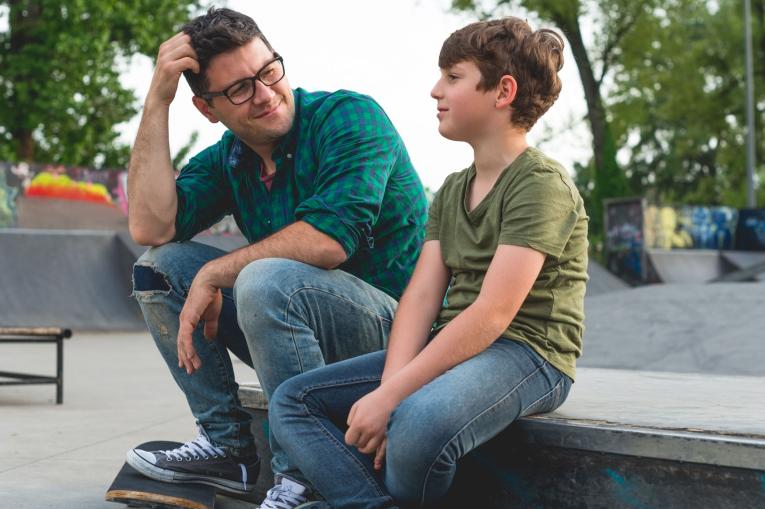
point(388, 50)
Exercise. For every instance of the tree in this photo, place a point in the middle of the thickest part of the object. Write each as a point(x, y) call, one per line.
point(59, 75)
point(678, 103)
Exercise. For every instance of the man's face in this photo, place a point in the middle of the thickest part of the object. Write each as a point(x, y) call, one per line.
point(264, 119)
point(464, 112)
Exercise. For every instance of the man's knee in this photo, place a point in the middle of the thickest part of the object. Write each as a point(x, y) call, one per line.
point(170, 266)
point(151, 270)
point(266, 283)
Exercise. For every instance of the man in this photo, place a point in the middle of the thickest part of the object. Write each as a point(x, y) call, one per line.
point(322, 187)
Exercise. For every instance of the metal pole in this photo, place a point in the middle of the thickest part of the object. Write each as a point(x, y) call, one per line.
point(750, 192)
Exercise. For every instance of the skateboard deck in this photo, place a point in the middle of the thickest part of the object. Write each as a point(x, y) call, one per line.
point(136, 490)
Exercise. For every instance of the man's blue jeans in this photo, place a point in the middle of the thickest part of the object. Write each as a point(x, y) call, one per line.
point(282, 317)
point(427, 433)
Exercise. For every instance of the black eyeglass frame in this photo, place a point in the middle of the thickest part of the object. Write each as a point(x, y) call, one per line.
point(277, 58)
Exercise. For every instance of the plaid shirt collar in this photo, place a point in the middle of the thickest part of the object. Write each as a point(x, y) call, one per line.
point(242, 156)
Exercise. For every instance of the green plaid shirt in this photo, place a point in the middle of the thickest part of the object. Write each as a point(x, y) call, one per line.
point(341, 168)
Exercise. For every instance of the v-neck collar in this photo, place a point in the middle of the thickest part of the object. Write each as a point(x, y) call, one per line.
point(477, 212)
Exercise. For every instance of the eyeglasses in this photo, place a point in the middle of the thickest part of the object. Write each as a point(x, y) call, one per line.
point(244, 90)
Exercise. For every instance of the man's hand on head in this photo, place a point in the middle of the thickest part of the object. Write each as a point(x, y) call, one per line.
point(203, 303)
point(175, 56)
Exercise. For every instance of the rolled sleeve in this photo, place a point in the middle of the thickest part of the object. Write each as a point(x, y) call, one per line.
point(357, 147)
point(202, 196)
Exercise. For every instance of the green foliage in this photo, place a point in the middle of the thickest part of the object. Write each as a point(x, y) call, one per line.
point(181, 157)
point(60, 93)
point(678, 104)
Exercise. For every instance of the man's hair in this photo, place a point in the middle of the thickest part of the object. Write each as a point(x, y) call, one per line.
point(218, 31)
point(510, 46)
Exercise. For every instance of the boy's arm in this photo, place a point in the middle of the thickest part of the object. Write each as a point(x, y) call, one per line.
point(508, 281)
point(417, 309)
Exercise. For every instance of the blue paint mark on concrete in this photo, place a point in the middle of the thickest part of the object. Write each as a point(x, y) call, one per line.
point(514, 483)
point(624, 491)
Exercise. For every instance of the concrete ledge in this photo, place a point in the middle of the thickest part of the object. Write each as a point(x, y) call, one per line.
point(711, 420)
point(622, 439)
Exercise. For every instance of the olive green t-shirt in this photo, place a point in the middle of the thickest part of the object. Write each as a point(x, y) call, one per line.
point(533, 204)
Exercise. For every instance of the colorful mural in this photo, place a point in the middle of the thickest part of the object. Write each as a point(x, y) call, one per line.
point(750, 231)
point(57, 181)
point(690, 227)
point(47, 185)
point(7, 203)
point(633, 227)
point(107, 187)
point(625, 240)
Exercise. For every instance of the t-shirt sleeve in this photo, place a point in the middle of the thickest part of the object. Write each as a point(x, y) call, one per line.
point(357, 147)
point(432, 227)
point(539, 213)
point(202, 193)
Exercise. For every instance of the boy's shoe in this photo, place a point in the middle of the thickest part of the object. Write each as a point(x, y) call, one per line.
point(198, 461)
point(287, 493)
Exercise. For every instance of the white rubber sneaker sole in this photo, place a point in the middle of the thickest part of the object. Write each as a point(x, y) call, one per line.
point(152, 471)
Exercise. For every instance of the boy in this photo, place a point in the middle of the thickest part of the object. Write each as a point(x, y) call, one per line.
point(508, 238)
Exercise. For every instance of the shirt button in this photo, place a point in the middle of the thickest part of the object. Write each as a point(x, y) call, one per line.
point(289, 156)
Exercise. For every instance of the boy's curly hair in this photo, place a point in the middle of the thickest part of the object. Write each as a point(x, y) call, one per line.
point(510, 46)
point(213, 33)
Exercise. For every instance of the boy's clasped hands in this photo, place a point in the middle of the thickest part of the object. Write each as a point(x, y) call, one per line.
point(368, 423)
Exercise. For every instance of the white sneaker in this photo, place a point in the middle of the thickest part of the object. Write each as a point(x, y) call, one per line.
point(287, 493)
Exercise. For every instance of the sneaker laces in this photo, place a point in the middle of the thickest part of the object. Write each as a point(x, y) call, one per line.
point(199, 447)
point(281, 497)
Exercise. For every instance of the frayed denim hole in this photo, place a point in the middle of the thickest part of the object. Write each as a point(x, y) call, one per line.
point(147, 279)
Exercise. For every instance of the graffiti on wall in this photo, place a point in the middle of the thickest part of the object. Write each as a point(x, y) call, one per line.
point(62, 182)
point(38, 181)
point(625, 240)
point(7, 203)
point(690, 227)
point(750, 231)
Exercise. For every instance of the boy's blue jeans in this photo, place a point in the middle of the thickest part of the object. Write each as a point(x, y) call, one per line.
point(427, 433)
point(282, 317)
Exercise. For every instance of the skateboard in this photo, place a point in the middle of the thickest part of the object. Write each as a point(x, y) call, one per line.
point(136, 490)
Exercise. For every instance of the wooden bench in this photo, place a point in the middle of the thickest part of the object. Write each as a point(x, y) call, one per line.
point(37, 335)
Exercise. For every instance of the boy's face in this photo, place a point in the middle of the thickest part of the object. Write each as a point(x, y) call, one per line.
point(464, 112)
point(268, 115)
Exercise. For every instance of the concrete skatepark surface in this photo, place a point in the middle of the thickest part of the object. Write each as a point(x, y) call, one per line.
point(695, 328)
point(117, 394)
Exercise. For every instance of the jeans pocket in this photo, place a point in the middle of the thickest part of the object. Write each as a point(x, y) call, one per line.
point(549, 401)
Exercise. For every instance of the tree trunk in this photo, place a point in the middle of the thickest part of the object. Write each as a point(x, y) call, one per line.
point(609, 179)
point(22, 19)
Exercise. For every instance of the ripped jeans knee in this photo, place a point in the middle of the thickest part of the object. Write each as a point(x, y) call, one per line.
point(170, 267)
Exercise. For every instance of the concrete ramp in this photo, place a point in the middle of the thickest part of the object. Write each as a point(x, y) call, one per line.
point(686, 265)
point(696, 328)
point(744, 260)
point(602, 281)
point(78, 279)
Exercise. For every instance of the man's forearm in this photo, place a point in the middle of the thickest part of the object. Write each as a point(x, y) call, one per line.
point(151, 180)
point(299, 241)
